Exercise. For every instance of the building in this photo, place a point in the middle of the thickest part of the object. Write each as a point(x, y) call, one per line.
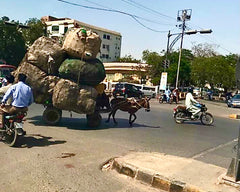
point(116, 71)
point(111, 41)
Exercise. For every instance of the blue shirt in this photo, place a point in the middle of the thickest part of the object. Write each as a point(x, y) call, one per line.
point(21, 94)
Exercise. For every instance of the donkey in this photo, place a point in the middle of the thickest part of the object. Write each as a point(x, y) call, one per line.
point(130, 105)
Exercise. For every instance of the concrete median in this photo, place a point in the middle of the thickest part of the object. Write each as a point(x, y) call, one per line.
point(234, 116)
point(171, 173)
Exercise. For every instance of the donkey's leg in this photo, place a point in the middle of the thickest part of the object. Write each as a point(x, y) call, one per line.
point(113, 115)
point(135, 117)
point(130, 120)
point(109, 115)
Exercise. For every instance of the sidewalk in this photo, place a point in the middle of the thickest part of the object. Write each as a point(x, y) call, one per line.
point(171, 173)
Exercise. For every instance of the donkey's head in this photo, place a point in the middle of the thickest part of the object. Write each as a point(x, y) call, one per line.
point(146, 104)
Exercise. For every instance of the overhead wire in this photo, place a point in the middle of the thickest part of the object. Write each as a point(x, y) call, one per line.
point(135, 17)
point(134, 3)
point(148, 20)
point(211, 39)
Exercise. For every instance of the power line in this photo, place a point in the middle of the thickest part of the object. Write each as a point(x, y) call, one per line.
point(212, 40)
point(148, 20)
point(148, 9)
point(116, 11)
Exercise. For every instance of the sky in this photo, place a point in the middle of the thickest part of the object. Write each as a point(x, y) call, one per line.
point(143, 24)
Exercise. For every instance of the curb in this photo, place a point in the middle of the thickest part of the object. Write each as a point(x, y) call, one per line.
point(149, 177)
point(234, 116)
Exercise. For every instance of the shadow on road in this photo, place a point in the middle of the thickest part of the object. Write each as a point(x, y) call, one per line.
point(80, 123)
point(195, 123)
point(37, 140)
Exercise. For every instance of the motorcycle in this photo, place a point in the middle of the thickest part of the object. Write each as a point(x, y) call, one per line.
point(12, 129)
point(163, 98)
point(181, 114)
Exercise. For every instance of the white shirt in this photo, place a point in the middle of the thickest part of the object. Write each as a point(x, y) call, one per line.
point(190, 100)
point(3, 90)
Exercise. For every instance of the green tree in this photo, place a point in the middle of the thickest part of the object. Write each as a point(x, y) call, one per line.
point(36, 29)
point(128, 59)
point(156, 66)
point(155, 61)
point(184, 70)
point(12, 44)
point(218, 71)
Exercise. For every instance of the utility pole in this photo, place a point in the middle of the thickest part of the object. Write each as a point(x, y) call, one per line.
point(234, 167)
point(186, 15)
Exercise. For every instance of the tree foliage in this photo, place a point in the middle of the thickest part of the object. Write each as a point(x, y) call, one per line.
point(155, 61)
point(218, 71)
point(184, 78)
point(12, 44)
point(128, 59)
point(204, 50)
point(36, 29)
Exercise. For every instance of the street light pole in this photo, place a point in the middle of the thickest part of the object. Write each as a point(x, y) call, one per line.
point(184, 15)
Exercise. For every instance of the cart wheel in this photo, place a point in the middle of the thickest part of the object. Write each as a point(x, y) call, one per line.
point(52, 115)
point(94, 120)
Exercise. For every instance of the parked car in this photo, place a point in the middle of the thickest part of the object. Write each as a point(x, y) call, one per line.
point(234, 101)
point(5, 69)
point(148, 92)
point(196, 92)
point(126, 90)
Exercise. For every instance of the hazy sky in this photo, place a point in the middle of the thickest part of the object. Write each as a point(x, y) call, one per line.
point(222, 16)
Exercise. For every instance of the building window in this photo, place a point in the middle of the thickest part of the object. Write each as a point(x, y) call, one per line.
point(107, 56)
point(106, 36)
point(65, 29)
point(106, 47)
point(55, 28)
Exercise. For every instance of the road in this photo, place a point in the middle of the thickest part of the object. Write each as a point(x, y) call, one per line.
point(68, 157)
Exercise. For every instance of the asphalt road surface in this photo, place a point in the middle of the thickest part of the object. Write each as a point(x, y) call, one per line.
point(68, 157)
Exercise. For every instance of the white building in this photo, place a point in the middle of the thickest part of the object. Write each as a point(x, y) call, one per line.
point(111, 40)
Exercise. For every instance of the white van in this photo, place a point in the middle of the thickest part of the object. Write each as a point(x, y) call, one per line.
point(148, 91)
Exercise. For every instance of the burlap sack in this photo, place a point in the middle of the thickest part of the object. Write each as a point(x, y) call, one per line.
point(41, 84)
point(46, 54)
point(79, 43)
point(67, 95)
point(90, 72)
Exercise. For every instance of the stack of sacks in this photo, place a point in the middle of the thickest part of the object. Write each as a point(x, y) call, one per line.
point(69, 96)
point(90, 72)
point(81, 67)
point(65, 75)
point(41, 64)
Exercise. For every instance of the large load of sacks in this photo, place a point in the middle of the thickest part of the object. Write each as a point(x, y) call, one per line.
point(67, 75)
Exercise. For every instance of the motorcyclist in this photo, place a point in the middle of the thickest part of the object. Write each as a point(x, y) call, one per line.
point(192, 104)
point(22, 97)
point(8, 84)
point(167, 93)
point(175, 94)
